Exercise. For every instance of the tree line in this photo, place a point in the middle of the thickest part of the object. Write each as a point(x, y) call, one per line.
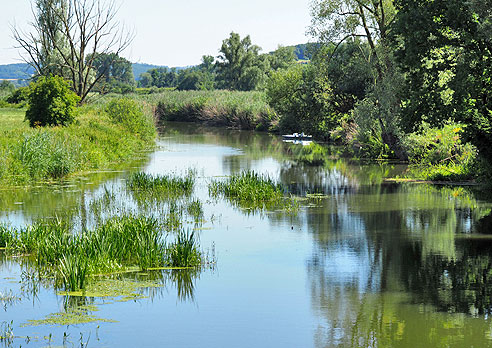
point(386, 77)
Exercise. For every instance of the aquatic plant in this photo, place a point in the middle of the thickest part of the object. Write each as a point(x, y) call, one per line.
point(119, 243)
point(73, 269)
point(195, 210)
point(249, 190)
point(5, 236)
point(184, 251)
point(162, 185)
point(7, 333)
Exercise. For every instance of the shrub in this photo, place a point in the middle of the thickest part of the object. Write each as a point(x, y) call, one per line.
point(132, 116)
point(440, 154)
point(51, 102)
point(304, 99)
point(19, 96)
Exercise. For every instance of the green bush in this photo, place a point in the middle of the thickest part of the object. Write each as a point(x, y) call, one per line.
point(132, 116)
point(19, 96)
point(51, 102)
point(440, 154)
point(304, 99)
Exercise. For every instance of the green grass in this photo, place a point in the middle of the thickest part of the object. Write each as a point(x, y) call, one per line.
point(249, 190)
point(12, 119)
point(94, 141)
point(119, 243)
point(241, 110)
point(162, 185)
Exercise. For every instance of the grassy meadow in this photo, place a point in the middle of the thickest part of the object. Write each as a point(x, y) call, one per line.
point(95, 141)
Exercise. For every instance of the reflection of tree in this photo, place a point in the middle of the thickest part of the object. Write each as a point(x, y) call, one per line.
point(387, 256)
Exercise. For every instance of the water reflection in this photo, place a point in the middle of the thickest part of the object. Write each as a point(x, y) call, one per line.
point(386, 265)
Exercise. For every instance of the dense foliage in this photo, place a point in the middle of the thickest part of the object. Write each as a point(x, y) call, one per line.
point(444, 46)
point(51, 102)
point(132, 116)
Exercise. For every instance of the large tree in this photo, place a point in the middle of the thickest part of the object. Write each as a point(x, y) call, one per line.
point(117, 71)
point(239, 66)
point(334, 21)
point(445, 48)
point(366, 21)
point(66, 37)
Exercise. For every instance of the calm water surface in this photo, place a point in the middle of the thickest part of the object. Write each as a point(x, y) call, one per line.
point(368, 264)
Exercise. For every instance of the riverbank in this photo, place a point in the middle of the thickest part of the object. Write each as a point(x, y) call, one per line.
point(93, 142)
point(219, 108)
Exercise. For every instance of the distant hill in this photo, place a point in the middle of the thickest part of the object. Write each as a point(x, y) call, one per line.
point(18, 71)
point(140, 68)
point(23, 71)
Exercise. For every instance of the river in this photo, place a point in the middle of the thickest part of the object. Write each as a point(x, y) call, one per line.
point(363, 263)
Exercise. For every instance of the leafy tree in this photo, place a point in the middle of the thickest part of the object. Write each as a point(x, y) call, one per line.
point(51, 102)
point(304, 100)
point(6, 88)
point(444, 47)
point(282, 58)
point(208, 64)
point(340, 20)
point(146, 80)
point(239, 66)
point(117, 72)
point(335, 21)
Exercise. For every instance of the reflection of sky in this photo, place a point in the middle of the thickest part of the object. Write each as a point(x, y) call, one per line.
point(279, 280)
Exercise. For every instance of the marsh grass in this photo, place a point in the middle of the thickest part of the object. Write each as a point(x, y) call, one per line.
point(161, 186)
point(184, 251)
point(249, 190)
point(242, 110)
point(118, 244)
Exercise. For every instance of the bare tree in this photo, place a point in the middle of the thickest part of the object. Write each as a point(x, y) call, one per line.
point(66, 37)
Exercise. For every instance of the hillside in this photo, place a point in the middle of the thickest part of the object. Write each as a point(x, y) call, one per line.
point(18, 71)
point(22, 71)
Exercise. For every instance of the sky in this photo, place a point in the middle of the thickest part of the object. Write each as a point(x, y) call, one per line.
point(179, 33)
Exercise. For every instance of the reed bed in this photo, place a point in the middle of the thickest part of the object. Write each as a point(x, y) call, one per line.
point(120, 243)
point(249, 190)
point(241, 110)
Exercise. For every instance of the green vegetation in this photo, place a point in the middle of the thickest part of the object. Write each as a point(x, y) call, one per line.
point(163, 186)
point(51, 103)
point(117, 244)
point(133, 116)
point(243, 110)
point(184, 251)
point(93, 142)
point(439, 154)
point(249, 190)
